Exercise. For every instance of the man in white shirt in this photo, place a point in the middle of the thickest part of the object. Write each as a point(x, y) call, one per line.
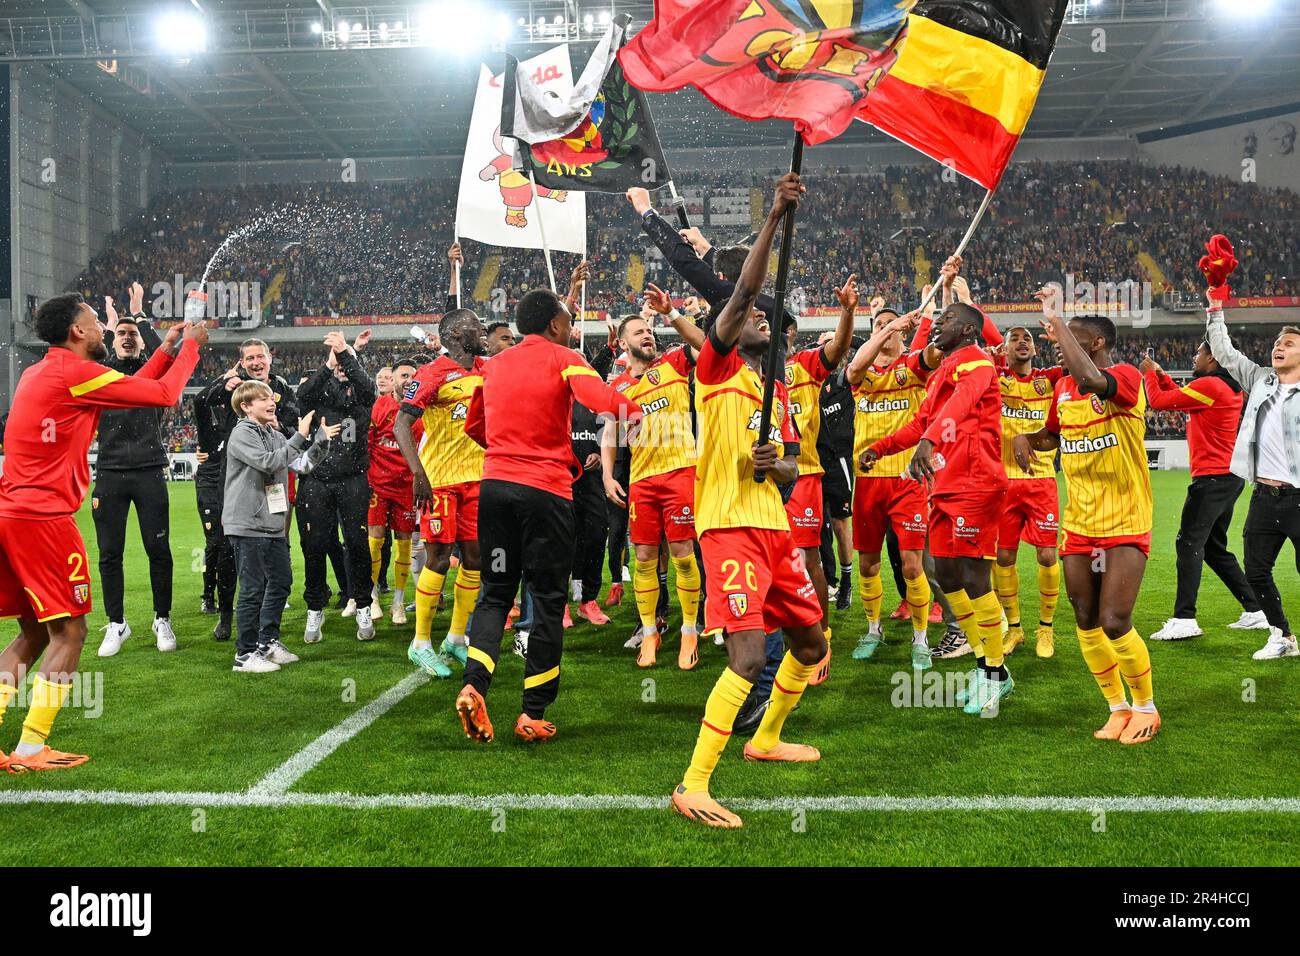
point(1267, 453)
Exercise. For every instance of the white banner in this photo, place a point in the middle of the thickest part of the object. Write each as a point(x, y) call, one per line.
point(496, 204)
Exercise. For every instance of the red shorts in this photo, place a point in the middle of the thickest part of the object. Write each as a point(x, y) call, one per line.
point(293, 487)
point(880, 502)
point(1083, 544)
point(965, 526)
point(804, 509)
point(1030, 513)
point(391, 510)
point(452, 514)
point(50, 577)
point(662, 506)
point(757, 582)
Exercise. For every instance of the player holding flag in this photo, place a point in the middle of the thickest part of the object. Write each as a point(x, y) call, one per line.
point(757, 579)
point(44, 577)
point(1098, 421)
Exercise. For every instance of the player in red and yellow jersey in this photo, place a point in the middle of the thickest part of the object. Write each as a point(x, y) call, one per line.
point(1098, 421)
point(1032, 510)
point(888, 385)
point(757, 578)
point(392, 505)
point(804, 374)
point(446, 472)
point(660, 498)
point(958, 439)
point(44, 576)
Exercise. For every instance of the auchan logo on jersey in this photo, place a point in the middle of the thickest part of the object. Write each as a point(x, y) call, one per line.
point(1086, 445)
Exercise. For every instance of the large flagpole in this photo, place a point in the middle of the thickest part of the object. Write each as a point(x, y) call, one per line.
point(961, 246)
point(541, 226)
point(771, 368)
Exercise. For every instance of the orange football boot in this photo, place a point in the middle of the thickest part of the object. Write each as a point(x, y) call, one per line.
point(784, 753)
point(646, 655)
point(472, 709)
point(1141, 728)
point(823, 670)
point(702, 808)
point(689, 655)
point(1114, 725)
point(47, 759)
point(533, 731)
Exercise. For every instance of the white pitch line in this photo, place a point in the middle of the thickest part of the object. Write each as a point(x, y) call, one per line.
point(558, 801)
point(296, 767)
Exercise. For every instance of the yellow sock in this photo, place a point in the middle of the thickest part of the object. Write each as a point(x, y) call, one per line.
point(376, 558)
point(872, 593)
point(719, 714)
point(988, 619)
point(965, 614)
point(427, 590)
point(1135, 666)
point(1006, 581)
point(1100, 656)
point(401, 563)
point(47, 698)
point(918, 601)
point(7, 693)
point(463, 600)
point(1049, 589)
point(645, 580)
point(688, 589)
point(787, 688)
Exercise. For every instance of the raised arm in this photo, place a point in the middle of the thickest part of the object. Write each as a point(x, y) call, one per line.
point(106, 388)
point(662, 303)
point(1090, 379)
point(838, 347)
point(1225, 353)
point(726, 330)
point(868, 350)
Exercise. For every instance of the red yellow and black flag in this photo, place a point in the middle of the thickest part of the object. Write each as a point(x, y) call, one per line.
point(809, 61)
point(965, 83)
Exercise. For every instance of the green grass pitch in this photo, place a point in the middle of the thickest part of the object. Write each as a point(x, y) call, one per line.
point(182, 723)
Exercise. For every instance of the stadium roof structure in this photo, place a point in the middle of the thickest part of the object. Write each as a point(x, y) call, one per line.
point(220, 80)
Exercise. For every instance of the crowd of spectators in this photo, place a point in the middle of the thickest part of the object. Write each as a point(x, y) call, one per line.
point(380, 248)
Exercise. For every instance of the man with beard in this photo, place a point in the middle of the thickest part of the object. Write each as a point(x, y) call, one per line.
point(447, 469)
point(336, 493)
point(44, 581)
point(131, 470)
point(958, 437)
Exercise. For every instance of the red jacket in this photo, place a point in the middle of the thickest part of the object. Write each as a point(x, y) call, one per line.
point(523, 412)
point(1214, 415)
point(962, 416)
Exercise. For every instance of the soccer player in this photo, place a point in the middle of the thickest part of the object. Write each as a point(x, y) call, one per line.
point(1213, 401)
point(804, 374)
point(1098, 421)
point(526, 519)
point(44, 577)
point(757, 578)
point(392, 506)
point(958, 439)
point(447, 470)
point(660, 498)
point(499, 338)
point(1031, 512)
point(888, 385)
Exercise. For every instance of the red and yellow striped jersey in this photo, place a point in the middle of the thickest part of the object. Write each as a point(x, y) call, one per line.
point(1026, 400)
point(886, 399)
point(440, 394)
point(729, 399)
point(665, 440)
point(1104, 456)
point(804, 373)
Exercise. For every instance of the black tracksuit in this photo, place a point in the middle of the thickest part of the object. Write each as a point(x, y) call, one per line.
point(835, 449)
point(337, 492)
point(131, 469)
point(591, 524)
